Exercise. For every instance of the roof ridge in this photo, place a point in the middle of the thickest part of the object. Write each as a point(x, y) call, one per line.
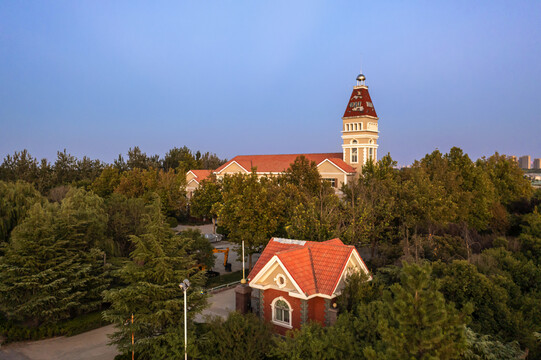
point(323, 153)
point(313, 270)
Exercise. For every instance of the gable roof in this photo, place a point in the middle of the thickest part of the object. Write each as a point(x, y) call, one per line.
point(359, 103)
point(280, 163)
point(316, 267)
point(200, 174)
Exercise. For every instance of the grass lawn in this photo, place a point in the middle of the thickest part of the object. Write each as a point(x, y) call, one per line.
point(224, 279)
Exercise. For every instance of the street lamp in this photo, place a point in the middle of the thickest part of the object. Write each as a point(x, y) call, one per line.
point(184, 286)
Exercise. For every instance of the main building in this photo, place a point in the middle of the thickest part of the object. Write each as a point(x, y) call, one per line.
point(359, 145)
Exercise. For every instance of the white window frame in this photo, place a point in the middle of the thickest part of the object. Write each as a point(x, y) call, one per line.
point(354, 155)
point(281, 322)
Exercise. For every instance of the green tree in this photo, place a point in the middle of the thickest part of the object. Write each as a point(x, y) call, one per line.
point(483, 347)
point(20, 166)
point(45, 276)
point(199, 247)
point(106, 182)
point(16, 198)
point(140, 160)
point(180, 159)
point(237, 337)
point(420, 325)
point(159, 262)
point(83, 219)
point(204, 197)
point(507, 177)
point(250, 210)
point(125, 218)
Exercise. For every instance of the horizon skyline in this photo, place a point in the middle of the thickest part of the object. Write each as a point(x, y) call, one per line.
point(250, 79)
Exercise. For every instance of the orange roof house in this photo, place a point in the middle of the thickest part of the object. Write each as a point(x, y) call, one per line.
point(194, 178)
point(296, 281)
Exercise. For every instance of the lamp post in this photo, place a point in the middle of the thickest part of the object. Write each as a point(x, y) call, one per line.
point(243, 281)
point(184, 286)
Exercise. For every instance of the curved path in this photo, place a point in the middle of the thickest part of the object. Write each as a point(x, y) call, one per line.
point(91, 345)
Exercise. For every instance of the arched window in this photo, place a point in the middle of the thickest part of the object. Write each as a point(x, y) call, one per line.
point(354, 141)
point(281, 312)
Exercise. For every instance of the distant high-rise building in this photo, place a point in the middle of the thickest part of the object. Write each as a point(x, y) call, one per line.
point(512, 157)
point(537, 163)
point(525, 162)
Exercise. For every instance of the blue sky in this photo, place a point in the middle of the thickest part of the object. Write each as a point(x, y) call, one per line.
point(257, 77)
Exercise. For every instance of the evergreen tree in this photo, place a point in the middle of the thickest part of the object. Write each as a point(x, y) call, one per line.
point(420, 324)
point(45, 276)
point(159, 262)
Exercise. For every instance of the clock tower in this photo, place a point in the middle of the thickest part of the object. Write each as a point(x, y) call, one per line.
point(360, 127)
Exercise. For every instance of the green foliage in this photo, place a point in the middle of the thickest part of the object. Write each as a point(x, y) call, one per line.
point(507, 177)
point(199, 247)
point(483, 347)
point(464, 285)
point(420, 323)
point(530, 236)
point(250, 211)
point(105, 184)
point(16, 198)
point(237, 337)
point(204, 197)
point(125, 218)
point(315, 342)
point(168, 185)
point(160, 261)
point(49, 272)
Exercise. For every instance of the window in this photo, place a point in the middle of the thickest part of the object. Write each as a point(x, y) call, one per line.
point(281, 312)
point(355, 127)
point(370, 154)
point(331, 181)
point(354, 155)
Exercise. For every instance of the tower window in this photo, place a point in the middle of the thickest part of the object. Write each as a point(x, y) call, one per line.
point(354, 157)
point(370, 154)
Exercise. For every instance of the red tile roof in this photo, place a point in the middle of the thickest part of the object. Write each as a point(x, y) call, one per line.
point(360, 104)
point(315, 266)
point(280, 163)
point(201, 174)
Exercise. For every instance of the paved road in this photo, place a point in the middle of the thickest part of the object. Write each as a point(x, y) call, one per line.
point(91, 345)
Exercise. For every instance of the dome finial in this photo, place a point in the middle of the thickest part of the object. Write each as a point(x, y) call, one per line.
point(360, 79)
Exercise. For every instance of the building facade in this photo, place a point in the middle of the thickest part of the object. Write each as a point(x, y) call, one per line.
point(525, 162)
point(537, 163)
point(360, 131)
point(359, 145)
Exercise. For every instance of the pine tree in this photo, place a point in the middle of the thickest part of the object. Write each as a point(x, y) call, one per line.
point(420, 324)
point(159, 262)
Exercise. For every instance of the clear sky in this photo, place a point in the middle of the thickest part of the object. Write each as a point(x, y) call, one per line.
point(263, 77)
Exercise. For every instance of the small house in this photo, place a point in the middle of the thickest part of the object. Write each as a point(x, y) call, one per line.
point(296, 281)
